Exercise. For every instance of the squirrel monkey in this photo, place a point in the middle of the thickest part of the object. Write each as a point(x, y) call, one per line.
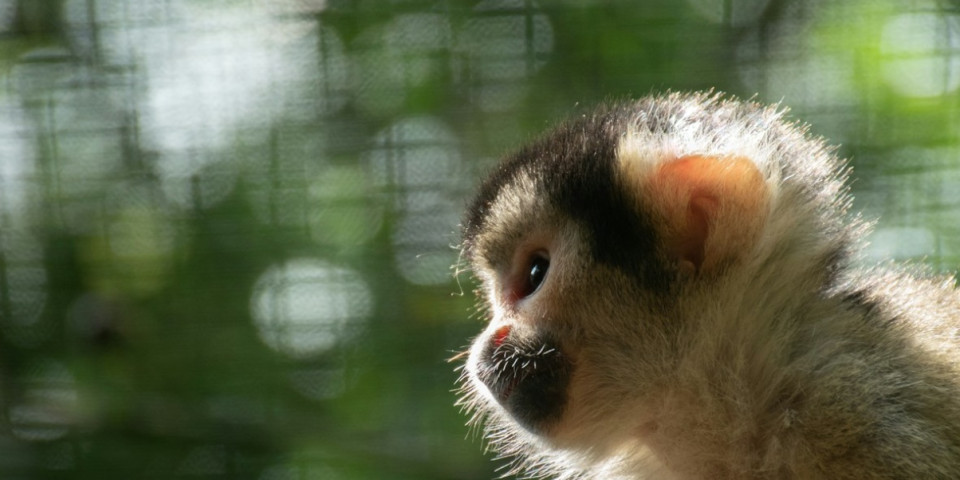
point(672, 294)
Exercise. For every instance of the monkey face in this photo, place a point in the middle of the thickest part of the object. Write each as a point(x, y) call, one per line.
point(525, 359)
point(543, 367)
point(556, 288)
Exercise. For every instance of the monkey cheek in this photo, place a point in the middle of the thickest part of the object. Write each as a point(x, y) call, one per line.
point(528, 377)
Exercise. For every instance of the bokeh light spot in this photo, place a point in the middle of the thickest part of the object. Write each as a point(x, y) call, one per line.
point(48, 407)
point(921, 54)
point(305, 307)
point(900, 242)
point(418, 161)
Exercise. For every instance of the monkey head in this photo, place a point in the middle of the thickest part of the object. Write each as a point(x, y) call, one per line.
point(606, 249)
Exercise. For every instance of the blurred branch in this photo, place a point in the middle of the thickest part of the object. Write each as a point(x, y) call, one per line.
point(41, 18)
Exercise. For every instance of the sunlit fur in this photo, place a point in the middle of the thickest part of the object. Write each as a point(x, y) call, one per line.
point(786, 361)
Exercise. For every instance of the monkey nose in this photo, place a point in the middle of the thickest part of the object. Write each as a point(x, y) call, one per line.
point(500, 335)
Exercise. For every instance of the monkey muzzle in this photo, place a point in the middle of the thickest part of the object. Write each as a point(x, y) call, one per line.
point(528, 375)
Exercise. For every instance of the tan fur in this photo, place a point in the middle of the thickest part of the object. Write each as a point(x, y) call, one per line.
point(782, 360)
point(710, 209)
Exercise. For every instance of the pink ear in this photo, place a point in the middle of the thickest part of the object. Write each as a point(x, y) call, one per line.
point(713, 207)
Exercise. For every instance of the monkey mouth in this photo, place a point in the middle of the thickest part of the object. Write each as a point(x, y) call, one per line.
point(527, 376)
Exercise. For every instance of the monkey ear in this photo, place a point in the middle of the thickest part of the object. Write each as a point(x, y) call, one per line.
point(713, 208)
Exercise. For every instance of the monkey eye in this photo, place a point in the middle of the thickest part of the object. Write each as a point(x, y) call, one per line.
point(535, 275)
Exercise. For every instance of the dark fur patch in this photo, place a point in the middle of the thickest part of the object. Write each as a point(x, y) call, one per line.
point(529, 377)
point(575, 165)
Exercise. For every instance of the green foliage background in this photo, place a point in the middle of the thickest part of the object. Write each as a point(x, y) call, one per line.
point(227, 226)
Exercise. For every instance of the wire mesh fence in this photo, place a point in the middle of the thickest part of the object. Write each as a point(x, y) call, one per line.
point(227, 226)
